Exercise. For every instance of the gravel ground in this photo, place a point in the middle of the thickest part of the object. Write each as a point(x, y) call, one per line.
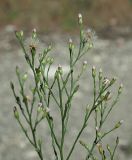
point(113, 56)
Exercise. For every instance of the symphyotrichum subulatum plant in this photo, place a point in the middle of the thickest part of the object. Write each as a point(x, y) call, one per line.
point(29, 113)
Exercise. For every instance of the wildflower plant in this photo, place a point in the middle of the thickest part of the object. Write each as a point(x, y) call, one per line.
point(29, 113)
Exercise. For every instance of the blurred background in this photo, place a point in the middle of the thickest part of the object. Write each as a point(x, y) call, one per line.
point(56, 21)
point(60, 15)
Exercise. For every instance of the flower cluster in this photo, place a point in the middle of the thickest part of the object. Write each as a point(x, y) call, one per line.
point(62, 89)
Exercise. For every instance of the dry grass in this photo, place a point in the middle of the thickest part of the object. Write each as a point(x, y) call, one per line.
point(56, 14)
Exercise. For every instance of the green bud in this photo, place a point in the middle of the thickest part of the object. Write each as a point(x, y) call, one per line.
point(99, 134)
point(24, 77)
point(90, 45)
point(40, 108)
point(19, 34)
point(93, 72)
point(112, 81)
point(100, 149)
point(49, 48)
point(48, 60)
point(100, 74)
point(120, 89)
point(108, 148)
point(60, 71)
point(107, 96)
point(117, 140)
point(34, 34)
point(118, 124)
point(12, 85)
point(33, 50)
point(17, 70)
point(16, 114)
point(25, 99)
point(85, 64)
point(71, 45)
point(51, 60)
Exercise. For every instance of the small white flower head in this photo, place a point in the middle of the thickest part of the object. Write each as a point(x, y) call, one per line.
point(71, 45)
point(90, 36)
point(47, 109)
point(97, 129)
point(80, 15)
point(21, 33)
point(28, 98)
point(70, 41)
point(80, 21)
point(40, 104)
point(121, 121)
point(93, 71)
point(106, 81)
point(100, 70)
point(33, 43)
point(34, 30)
point(85, 63)
point(59, 67)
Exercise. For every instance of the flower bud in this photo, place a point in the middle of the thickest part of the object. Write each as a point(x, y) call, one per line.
point(51, 60)
point(117, 140)
point(100, 74)
point(60, 69)
point(118, 124)
point(71, 45)
point(85, 64)
point(112, 81)
point(93, 72)
point(21, 34)
point(34, 34)
point(16, 114)
point(120, 89)
point(47, 109)
point(96, 128)
point(80, 21)
point(108, 148)
point(49, 48)
point(90, 45)
point(24, 77)
point(12, 85)
point(39, 109)
point(107, 96)
point(100, 148)
point(28, 98)
point(106, 81)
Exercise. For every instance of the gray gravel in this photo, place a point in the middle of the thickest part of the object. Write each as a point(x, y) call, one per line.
point(113, 56)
